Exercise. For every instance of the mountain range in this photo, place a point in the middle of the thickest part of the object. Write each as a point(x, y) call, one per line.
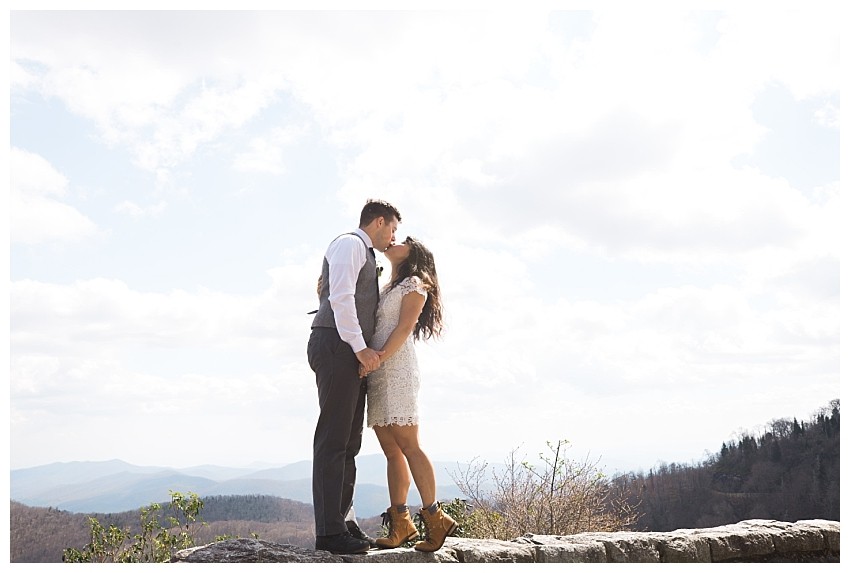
point(114, 486)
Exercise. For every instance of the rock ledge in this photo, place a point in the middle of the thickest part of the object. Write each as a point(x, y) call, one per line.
point(755, 540)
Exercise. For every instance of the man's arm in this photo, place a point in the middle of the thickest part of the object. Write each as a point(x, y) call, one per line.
point(346, 257)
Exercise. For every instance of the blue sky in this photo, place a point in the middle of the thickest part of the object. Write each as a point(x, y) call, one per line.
point(635, 217)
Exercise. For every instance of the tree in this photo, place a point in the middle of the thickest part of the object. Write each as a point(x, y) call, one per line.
point(558, 496)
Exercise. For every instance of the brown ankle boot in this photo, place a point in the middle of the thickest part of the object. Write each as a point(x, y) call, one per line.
point(438, 526)
point(401, 527)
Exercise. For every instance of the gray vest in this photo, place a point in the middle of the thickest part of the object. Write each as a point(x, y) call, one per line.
point(365, 296)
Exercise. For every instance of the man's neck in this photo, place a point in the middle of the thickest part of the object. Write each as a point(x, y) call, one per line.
point(370, 242)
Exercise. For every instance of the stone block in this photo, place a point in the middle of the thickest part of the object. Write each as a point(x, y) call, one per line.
point(490, 551)
point(684, 549)
point(735, 542)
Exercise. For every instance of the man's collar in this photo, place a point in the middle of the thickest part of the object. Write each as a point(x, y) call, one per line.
point(365, 236)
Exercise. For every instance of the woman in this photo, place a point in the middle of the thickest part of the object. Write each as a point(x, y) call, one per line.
point(409, 309)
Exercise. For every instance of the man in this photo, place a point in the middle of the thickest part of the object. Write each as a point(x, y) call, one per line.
point(338, 345)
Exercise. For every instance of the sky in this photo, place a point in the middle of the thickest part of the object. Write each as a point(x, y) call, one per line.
point(635, 216)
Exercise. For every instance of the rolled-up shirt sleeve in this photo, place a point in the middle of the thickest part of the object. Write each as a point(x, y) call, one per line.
point(346, 256)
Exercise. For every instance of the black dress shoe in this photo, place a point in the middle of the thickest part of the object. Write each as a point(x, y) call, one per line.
point(357, 533)
point(341, 543)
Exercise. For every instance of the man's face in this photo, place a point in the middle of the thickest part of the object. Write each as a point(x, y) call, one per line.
point(385, 235)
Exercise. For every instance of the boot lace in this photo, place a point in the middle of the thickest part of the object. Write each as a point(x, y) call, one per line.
point(422, 524)
point(387, 521)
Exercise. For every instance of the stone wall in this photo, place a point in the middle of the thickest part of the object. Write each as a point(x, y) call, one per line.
point(748, 541)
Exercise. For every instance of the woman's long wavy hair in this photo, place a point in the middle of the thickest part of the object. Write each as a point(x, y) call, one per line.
point(420, 263)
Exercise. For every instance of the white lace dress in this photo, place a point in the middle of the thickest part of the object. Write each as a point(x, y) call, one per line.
point(392, 389)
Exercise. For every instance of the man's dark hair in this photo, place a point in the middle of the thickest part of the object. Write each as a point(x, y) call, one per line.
point(375, 208)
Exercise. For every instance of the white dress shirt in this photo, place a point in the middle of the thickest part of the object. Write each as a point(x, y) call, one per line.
point(346, 256)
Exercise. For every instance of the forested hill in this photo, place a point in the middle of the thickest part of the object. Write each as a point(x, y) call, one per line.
point(788, 472)
point(39, 535)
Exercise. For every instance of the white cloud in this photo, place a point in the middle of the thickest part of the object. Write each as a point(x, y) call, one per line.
point(633, 160)
point(60, 403)
point(154, 99)
point(604, 251)
point(519, 370)
point(205, 116)
point(36, 216)
point(797, 47)
point(98, 358)
point(99, 313)
point(20, 78)
point(137, 211)
point(828, 116)
point(267, 154)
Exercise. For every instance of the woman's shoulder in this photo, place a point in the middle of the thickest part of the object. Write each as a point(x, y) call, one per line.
point(412, 279)
point(412, 284)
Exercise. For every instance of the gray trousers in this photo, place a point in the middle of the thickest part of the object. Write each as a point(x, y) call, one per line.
point(339, 430)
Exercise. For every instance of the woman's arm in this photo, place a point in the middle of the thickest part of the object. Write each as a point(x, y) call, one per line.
point(411, 307)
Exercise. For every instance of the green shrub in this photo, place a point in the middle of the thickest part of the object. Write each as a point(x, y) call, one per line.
point(155, 542)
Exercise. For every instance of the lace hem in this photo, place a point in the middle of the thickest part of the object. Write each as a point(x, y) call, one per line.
point(396, 421)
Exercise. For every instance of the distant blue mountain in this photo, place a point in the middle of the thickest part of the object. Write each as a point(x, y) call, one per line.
point(217, 473)
point(298, 470)
point(114, 486)
point(30, 481)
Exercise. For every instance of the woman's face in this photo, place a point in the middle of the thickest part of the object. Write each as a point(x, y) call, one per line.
point(397, 253)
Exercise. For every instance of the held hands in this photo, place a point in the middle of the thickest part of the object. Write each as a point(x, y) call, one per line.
point(370, 360)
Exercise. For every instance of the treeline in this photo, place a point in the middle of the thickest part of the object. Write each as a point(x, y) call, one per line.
point(262, 508)
point(40, 535)
point(788, 472)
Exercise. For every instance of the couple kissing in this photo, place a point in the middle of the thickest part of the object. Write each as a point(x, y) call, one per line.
point(361, 350)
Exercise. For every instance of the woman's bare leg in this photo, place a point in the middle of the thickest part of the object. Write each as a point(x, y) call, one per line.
point(407, 440)
point(398, 473)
